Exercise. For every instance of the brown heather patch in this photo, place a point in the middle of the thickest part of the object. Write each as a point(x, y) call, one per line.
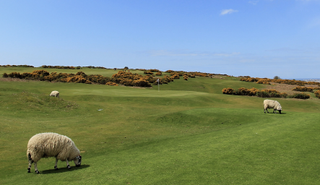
point(286, 88)
point(217, 76)
point(13, 80)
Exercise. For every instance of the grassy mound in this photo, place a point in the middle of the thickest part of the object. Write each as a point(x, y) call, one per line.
point(26, 101)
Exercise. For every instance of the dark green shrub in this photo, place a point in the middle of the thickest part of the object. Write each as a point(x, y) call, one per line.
point(317, 93)
point(26, 75)
point(148, 72)
point(283, 95)
point(81, 74)
point(300, 96)
point(263, 94)
point(14, 75)
point(154, 70)
point(141, 83)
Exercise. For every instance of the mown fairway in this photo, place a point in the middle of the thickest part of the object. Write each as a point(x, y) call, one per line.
point(186, 133)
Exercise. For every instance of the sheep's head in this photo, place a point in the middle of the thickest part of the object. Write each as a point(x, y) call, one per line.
point(77, 161)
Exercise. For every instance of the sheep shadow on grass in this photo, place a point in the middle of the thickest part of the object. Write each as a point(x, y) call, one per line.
point(65, 169)
point(275, 113)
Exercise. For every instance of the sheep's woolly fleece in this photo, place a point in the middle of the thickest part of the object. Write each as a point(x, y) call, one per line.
point(272, 104)
point(55, 93)
point(52, 145)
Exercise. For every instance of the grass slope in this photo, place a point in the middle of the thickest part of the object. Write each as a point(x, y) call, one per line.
point(186, 133)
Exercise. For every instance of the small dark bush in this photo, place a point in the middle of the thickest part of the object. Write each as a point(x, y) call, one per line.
point(148, 72)
point(141, 83)
point(300, 96)
point(283, 95)
point(227, 91)
point(317, 93)
point(81, 74)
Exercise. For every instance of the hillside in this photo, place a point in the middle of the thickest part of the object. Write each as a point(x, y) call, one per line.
point(187, 132)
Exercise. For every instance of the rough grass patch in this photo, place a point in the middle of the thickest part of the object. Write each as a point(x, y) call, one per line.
point(33, 101)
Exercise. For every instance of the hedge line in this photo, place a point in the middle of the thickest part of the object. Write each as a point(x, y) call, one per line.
point(280, 81)
point(122, 77)
point(305, 89)
point(263, 93)
point(16, 66)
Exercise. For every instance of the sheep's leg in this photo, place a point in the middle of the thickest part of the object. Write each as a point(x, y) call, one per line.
point(30, 162)
point(68, 166)
point(36, 168)
point(55, 166)
point(29, 166)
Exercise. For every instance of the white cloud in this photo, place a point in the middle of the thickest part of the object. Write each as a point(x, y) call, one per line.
point(228, 11)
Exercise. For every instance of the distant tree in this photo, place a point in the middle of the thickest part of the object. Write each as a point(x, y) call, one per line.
point(276, 77)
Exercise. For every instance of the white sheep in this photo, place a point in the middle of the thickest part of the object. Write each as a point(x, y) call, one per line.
point(272, 104)
point(54, 93)
point(52, 145)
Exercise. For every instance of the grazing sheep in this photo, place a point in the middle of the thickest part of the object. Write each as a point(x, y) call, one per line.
point(272, 104)
point(52, 145)
point(54, 93)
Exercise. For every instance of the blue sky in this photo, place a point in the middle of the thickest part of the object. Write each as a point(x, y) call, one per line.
point(258, 38)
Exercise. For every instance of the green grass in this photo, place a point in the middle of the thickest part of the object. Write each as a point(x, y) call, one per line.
point(186, 133)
